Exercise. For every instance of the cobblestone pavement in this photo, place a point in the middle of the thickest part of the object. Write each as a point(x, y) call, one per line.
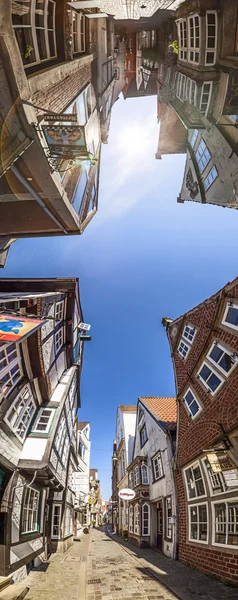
point(62, 577)
point(112, 574)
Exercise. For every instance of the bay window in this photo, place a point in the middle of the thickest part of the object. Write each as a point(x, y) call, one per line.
point(10, 367)
point(198, 523)
point(20, 413)
point(31, 499)
point(194, 481)
point(226, 523)
point(136, 519)
point(145, 519)
point(194, 39)
point(34, 25)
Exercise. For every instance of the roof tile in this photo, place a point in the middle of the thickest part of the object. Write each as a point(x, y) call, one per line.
point(164, 409)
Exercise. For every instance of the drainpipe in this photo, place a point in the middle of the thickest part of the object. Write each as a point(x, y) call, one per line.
point(36, 196)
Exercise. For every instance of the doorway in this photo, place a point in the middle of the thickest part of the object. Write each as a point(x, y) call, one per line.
point(160, 525)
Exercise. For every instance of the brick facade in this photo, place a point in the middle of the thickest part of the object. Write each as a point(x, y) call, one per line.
point(215, 426)
point(58, 96)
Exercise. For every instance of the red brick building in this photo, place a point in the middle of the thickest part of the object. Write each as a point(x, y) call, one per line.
point(204, 347)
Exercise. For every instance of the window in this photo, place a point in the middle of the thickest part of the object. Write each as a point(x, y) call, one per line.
point(194, 39)
point(212, 175)
point(59, 310)
point(59, 337)
point(68, 521)
point(230, 316)
point(221, 481)
point(226, 523)
point(206, 97)
point(194, 137)
point(186, 341)
point(183, 349)
point(157, 466)
point(145, 519)
point(211, 38)
point(78, 25)
point(56, 518)
point(194, 481)
point(34, 24)
point(21, 412)
point(131, 480)
point(198, 523)
point(44, 420)
point(186, 88)
point(182, 31)
point(136, 519)
point(10, 367)
point(122, 465)
point(144, 475)
point(203, 156)
point(131, 514)
point(143, 436)
point(224, 359)
point(30, 510)
point(192, 403)
point(210, 378)
point(141, 415)
point(136, 476)
point(168, 517)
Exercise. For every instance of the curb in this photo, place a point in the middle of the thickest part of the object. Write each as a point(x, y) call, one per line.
point(150, 571)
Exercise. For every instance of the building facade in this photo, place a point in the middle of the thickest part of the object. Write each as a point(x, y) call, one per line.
point(125, 432)
point(51, 67)
point(204, 347)
point(80, 478)
point(153, 511)
point(40, 366)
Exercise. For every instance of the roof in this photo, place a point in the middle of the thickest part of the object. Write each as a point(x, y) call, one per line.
point(82, 424)
point(164, 409)
point(129, 409)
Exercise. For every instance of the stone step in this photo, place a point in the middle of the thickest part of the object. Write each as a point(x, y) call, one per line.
point(14, 592)
point(4, 582)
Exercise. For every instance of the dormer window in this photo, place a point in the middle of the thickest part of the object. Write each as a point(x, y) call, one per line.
point(186, 341)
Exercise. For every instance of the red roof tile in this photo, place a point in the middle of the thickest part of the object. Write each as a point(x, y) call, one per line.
point(129, 409)
point(82, 424)
point(164, 409)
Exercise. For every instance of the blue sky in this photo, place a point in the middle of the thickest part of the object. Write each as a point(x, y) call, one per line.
point(142, 257)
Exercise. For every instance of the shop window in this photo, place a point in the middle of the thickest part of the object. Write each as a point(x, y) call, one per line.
point(198, 523)
point(226, 523)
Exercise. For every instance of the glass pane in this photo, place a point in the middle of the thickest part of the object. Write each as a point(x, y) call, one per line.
point(25, 43)
point(232, 316)
point(214, 382)
point(205, 372)
point(40, 34)
point(39, 13)
point(51, 43)
point(216, 353)
point(21, 12)
point(51, 15)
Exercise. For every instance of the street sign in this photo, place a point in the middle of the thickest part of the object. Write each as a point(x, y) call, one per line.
point(126, 494)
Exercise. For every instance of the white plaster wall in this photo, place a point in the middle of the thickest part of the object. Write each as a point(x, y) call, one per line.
point(34, 448)
point(129, 427)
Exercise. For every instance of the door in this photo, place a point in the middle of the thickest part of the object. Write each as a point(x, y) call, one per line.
point(159, 525)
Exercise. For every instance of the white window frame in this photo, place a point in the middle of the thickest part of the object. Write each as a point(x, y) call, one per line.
point(206, 180)
point(192, 331)
point(6, 371)
point(226, 502)
point(33, 29)
point(183, 349)
point(59, 339)
point(136, 519)
point(195, 49)
point(186, 342)
point(215, 45)
point(202, 153)
point(55, 536)
point(182, 27)
point(158, 459)
point(226, 351)
point(144, 471)
point(21, 412)
point(136, 476)
point(68, 521)
point(193, 465)
point(30, 492)
point(80, 19)
point(131, 519)
point(187, 406)
point(52, 412)
point(143, 519)
point(205, 112)
point(215, 372)
point(190, 506)
point(59, 310)
point(226, 323)
point(225, 489)
point(168, 525)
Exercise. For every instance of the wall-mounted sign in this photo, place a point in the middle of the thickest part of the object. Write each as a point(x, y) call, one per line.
point(126, 494)
point(14, 328)
point(84, 326)
point(221, 461)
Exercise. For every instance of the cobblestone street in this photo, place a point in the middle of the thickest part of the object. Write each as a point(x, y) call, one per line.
point(113, 574)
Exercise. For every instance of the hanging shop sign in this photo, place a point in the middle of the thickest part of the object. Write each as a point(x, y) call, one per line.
point(65, 139)
point(72, 118)
point(221, 461)
point(126, 494)
point(14, 328)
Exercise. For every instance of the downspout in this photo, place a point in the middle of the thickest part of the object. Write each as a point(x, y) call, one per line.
point(36, 196)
